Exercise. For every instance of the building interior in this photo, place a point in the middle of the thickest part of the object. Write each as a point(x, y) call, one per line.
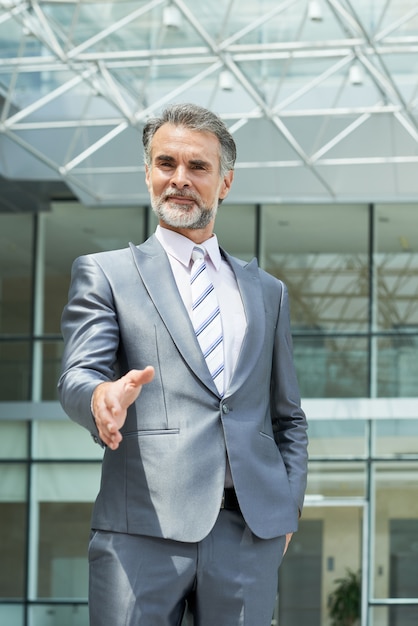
point(321, 97)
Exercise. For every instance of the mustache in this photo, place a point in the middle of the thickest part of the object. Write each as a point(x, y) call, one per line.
point(182, 194)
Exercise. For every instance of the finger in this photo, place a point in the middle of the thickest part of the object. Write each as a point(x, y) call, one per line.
point(114, 441)
point(110, 435)
point(133, 382)
point(108, 415)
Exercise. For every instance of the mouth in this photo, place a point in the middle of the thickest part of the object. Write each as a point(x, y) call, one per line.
point(181, 200)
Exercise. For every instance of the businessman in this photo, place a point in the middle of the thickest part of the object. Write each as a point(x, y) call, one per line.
point(178, 360)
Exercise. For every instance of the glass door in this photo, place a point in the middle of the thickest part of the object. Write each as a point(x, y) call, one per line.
point(327, 549)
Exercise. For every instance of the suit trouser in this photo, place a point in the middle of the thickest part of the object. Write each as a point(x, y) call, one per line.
point(227, 579)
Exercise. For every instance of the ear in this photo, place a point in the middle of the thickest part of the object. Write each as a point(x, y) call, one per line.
point(147, 177)
point(226, 184)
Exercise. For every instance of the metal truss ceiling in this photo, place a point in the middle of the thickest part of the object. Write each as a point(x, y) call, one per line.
point(321, 96)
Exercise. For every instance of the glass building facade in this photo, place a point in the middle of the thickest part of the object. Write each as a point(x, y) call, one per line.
point(352, 274)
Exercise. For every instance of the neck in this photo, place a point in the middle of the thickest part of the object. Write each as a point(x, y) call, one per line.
point(198, 235)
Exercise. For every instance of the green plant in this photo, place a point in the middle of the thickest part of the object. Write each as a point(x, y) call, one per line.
point(345, 599)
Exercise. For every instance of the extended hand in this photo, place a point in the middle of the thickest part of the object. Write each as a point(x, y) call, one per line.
point(111, 401)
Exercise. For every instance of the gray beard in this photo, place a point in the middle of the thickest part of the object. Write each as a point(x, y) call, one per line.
point(195, 218)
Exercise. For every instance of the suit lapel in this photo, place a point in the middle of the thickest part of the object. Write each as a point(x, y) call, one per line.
point(249, 285)
point(152, 264)
point(155, 270)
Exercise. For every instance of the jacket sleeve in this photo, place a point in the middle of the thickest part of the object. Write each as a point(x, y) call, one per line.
point(288, 418)
point(91, 340)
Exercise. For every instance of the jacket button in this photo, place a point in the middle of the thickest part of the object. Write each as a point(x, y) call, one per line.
point(225, 408)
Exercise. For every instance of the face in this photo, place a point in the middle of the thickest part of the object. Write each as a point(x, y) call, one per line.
point(184, 179)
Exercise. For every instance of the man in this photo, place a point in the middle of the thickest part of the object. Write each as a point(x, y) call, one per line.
point(203, 475)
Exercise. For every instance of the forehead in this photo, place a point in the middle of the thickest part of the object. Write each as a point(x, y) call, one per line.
point(182, 142)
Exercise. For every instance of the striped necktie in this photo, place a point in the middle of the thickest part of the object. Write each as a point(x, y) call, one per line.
point(206, 318)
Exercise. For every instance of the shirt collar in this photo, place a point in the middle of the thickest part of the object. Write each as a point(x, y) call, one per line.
point(181, 247)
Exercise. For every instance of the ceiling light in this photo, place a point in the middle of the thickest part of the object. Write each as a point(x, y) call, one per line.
point(356, 75)
point(314, 11)
point(171, 17)
point(225, 80)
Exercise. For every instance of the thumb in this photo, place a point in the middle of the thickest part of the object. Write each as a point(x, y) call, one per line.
point(132, 384)
point(137, 378)
point(141, 377)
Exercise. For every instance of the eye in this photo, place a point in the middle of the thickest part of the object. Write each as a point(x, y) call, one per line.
point(198, 165)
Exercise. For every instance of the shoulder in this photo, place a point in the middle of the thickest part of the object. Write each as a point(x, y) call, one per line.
point(113, 260)
point(100, 261)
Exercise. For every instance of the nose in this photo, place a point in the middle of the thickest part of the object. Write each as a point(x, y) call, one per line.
point(180, 178)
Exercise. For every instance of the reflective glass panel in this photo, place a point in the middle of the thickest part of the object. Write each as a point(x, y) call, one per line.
point(13, 439)
point(64, 440)
point(396, 530)
point(320, 252)
point(73, 614)
point(236, 230)
point(337, 438)
point(67, 482)
point(403, 615)
point(335, 479)
point(15, 371)
point(396, 436)
point(12, 614)
point(301, 603)
point(331, 366)
point(63, 539)
point(396, 288)
point(51, 368)
point(65, 493)
point(326, 549)
point(72, 230)
point(396, 264)
point(397, 366)
point(15, 273)
point(13, 515)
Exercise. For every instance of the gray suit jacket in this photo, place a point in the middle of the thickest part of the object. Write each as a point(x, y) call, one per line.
point(166, 478)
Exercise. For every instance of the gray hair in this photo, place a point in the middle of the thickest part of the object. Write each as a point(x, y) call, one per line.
point(196, 118)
